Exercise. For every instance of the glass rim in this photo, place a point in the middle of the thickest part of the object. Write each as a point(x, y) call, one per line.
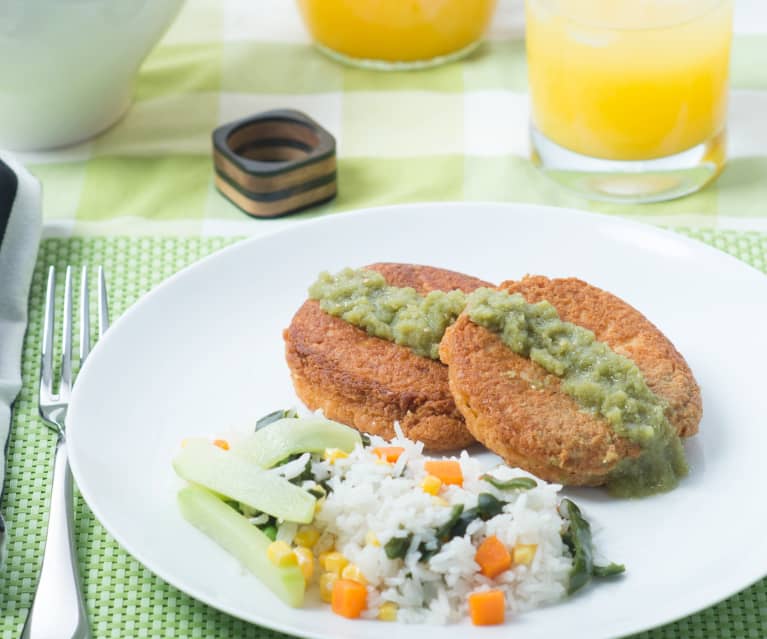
point(710, 7)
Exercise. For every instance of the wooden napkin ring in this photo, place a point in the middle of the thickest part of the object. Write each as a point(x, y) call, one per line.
point(274, 163)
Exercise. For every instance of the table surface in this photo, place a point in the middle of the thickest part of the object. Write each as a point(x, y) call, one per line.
point(458, 132)
point(140, 200)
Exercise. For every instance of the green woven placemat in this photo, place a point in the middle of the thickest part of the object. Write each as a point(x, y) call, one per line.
point(125, 600)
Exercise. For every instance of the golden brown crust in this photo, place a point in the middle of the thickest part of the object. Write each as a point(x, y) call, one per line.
point(369, 382)
point(628, 333)
point(518, 410)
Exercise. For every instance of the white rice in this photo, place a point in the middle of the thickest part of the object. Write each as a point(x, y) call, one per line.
point(292, 468)
point(387, 500)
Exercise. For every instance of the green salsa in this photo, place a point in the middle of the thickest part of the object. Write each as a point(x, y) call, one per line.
point(400, 315)
point(600, 380)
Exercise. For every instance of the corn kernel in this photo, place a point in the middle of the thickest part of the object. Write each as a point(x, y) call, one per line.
point(431, 484)
point(318, 505)
point(332, 454)
point(221, 443)
point(327, 581)
point(371, 539)
point(523, 553)
point(388, 611)
point(351, 571)
point(305, 562)
point(306, 536)
point(333, 562)
point(281, 554)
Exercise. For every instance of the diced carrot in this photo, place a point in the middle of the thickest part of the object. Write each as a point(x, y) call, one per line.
point(487, 608)
point(447, 470)
point(389, 453)
point(493, 557)
point(349, 598)
point(221, 443)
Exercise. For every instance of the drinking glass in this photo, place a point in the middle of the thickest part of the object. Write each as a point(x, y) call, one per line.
point(629, 97)
point(396, 34)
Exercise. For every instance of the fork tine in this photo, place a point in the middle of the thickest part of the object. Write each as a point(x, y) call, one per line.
point(103, 303)
point(85, 317)
point(66, 334)
point(46, 357)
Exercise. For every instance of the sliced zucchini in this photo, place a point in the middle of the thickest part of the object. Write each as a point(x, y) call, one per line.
point(235, 534)
point(285, 437)
point(237, 478)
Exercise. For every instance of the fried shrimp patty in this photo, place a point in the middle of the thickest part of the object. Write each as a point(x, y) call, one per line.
point(368, 382)
point(519, 411)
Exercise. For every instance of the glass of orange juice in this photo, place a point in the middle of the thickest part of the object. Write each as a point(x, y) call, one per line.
point(629, 97)
point(396, 34)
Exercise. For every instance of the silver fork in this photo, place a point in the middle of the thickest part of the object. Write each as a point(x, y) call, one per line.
point(58, 609)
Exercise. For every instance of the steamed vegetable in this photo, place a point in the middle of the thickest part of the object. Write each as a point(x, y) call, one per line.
point(518, 483)
point(250, 495)
point(235, 534)
point(305, 559)
point(492, 557)
point(389, 453)
point(221, 471)
point(221, 443)
point(274, 416)
point(327, 581)
point(388, 611)
point(349, 598)
point(487, 608)
point(396, 547)
point(523, 554)
point(447, 470)
point(577, 537)
point(285, 437)
point(443, 532)
point(488, 506)
point(431, 484)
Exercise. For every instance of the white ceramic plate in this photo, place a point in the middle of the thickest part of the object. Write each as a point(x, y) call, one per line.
point(203, 353)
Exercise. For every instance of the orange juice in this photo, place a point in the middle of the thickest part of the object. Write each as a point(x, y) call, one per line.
point(628, 79)
point(396, 30)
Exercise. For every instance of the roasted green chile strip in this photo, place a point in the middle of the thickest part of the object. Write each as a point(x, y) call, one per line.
point(270, 531)
point(577, 538)
point(283, 413)
point(396, 547)
point(610, 570)
point(443, 532)
point(518, 483)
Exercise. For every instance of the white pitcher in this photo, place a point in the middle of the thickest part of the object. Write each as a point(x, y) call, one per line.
point(67, 67)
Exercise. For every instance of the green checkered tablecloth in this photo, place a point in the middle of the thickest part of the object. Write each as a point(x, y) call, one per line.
point(458, 132)
point(139, 199)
